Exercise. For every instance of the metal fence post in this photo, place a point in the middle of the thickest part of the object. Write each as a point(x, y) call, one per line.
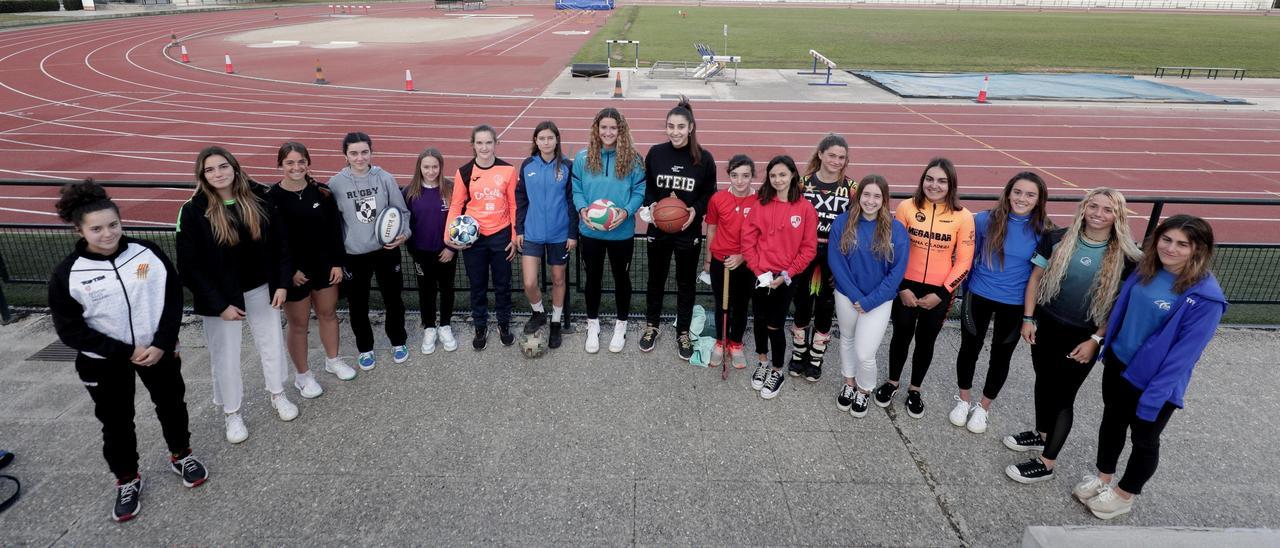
point(1156, 209)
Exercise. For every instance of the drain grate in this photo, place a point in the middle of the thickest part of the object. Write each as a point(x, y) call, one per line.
point(55, 352)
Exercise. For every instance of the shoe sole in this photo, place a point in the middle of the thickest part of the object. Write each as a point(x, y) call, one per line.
point(1084, 500)
point(193, 484)
point(429, 351)
point(915, 415)
point(844, 407)
point(973, 430)
point(1012, 472)
point(856, 414)
point(886, 403)
point(370, 368)
point(400, 360)
point(769, 395)
point(335, 373)
point(126, 517)
point(1013, 446)
point(1109, 515)
point(303, 395)
point(812, 379)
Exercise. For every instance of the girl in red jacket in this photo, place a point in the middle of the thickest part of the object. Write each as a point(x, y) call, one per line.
point(779, 238)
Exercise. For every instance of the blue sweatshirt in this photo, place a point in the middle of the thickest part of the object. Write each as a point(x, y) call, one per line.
point(1003, 283)
point(627, 193)
point(862, 275)
point(544, 201)
point(1161, 368)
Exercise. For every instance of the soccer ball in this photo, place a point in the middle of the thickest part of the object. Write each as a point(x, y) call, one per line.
point(601, 214)
point(464, 230)
point(533, 345)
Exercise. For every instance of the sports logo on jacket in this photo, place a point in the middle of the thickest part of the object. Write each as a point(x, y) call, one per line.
point(795, 221)
point(1163, 304)
point(366, 209)
point(920, 217)
point(143, 270)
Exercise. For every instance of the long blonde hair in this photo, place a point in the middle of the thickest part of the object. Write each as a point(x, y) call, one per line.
point(414, 190)
point(627, 156)
point(882, 246)
point(251, 212)
point(1106, 283)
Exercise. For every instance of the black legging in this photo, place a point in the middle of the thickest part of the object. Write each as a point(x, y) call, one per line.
point(593, 251)
point(976, 314)
point(686, 255)
point(740, 282)
point(1120, 415)
point(923, 325)
point(385, 265)
point(820, 308)
point(434, 277)
point(1058, 379)
point(770, 309)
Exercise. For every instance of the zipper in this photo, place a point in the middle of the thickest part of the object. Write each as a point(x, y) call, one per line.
point(929, 252)
point(133, 337)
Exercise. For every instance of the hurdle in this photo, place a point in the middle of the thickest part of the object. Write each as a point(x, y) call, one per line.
point(831, 65)
point(716, 65)
point(622, 44)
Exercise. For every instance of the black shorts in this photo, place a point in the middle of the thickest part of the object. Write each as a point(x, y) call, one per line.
point(315, 282)
point(555, 254)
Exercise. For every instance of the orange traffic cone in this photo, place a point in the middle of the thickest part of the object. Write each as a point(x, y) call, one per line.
point(320, 74)
point(227, 61)
point(408, 80)
point(617, 86)
point(982, 94)
point(184, 57)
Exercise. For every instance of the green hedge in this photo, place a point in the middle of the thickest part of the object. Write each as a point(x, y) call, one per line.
point(23, 6)
point(73, 5)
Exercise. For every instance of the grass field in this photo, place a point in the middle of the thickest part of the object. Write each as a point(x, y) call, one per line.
point(948, 40)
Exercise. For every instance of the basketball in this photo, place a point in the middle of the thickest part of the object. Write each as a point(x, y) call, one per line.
point(388, 225)
point(601, 214)
point(464, 230)
point(670, 214)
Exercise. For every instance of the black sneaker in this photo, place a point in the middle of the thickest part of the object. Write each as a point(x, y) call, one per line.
point(859, 406)
point(1025, 441)
point(536, 321)
point(554, 340)
point(915, 404)
point(813, 372)
point(193, 473)
point(1032, 471)
point(128, 500)
point(505, 335)
point(885, 394)
point(845, 398)
point(798, 364)
point(684, 345)
point(482, 338)
point(761, 373)
point(649, 338)
point(772, 385)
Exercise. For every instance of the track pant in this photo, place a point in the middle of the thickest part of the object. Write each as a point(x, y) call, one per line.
point(1058, 379)
point(434, 278)
point(111, 384)
point(976, 314)
point(920, 324)
point(860, 337)
point(1120, 416)
point(593, 252)
point(686, 255)
point(770, 309)
point(385, 265)
point(223, 340)
point(820, 307)
point(741, 281)
point(488, 257)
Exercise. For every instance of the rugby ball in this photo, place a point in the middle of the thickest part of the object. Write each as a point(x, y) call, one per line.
point(388, 225)
point(601, 214)
point(463, 231)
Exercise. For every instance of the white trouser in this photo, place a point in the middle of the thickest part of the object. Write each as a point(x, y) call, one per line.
point(860, 336)
point(223, 339)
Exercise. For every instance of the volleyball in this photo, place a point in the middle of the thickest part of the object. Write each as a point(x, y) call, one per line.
point(602, 214)
point(464, 230)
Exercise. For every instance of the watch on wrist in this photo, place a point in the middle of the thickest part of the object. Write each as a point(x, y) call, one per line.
point(1096, 338)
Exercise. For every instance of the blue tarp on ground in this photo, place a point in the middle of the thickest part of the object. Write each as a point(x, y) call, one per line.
point(1075, 87)
point(584, 4)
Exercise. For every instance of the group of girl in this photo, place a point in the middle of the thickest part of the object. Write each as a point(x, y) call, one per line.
point(813, 241)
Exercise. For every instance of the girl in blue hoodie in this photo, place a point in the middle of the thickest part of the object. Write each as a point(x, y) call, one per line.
point(1166, 313)
point(546, 225)
point(612, 169)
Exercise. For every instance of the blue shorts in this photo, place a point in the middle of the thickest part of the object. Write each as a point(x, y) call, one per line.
point(556, 254)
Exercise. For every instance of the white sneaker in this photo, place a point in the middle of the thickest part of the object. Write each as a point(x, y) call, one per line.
point(619, 337)
point(284, 408)
point(428, 340)
point(339, 368)
point(593, 336)
point(1090, 486)
point(446, 338)
point(978, 420)
point(1109, 504)
point(960, 413)
point(236, 432)
point(307, 385)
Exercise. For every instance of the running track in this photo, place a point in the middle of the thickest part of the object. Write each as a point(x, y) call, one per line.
point(108, 99)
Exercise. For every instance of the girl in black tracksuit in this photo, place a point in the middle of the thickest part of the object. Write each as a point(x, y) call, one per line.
point(118, 301)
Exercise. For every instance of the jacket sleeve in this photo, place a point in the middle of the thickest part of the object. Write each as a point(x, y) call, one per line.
point(1194, 333)
point(888, 287)
point(962, 262)
point(569, 199)
point(166, 337)
point(751, 240)
point(809, 243)
point(191, 245)
point(512, 210)
point(638, 187)
point(68, 322)
point(579, 191)
point(278, 241)
point(522, 201)
point(706, 188)
point(650, 181)
point(838, 264)
point(456, 199)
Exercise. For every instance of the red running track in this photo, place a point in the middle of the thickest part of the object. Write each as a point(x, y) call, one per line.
point(108, 99)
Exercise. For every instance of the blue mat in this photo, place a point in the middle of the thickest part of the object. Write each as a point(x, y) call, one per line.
point(1074, 87)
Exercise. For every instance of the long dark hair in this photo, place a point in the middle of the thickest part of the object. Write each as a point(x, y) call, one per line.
point(252, 213)
point(998, 223)
point(546, 125)
point(952, 199)
point(81, 198)
point(831, 140)
point(293, 146)
point(414, 190)
point(1198, 232)
point(767, 193)
point(684, 109)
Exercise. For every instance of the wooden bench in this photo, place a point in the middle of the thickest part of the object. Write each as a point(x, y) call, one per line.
point(1209, 72)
